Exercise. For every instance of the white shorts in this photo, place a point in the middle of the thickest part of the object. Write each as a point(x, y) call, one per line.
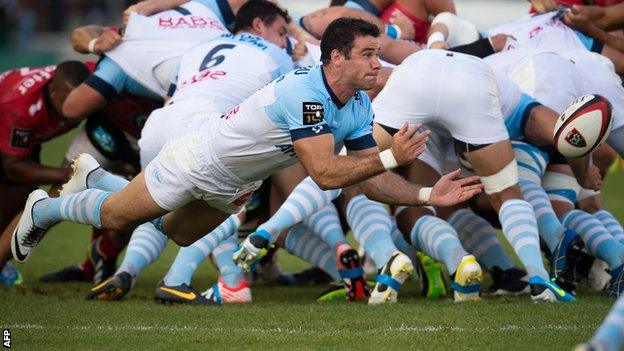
point(171, 121)
point(549, 78)
point(454, 94)
point(185, 170)
point(440, 154)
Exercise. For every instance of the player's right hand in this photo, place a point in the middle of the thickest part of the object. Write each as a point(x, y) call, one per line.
point(408, 143)
point(107, 41)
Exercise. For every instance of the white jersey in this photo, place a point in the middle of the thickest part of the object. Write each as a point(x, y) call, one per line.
point(544, 31)
point(221, 72)
point(149, 41)
point(550, 78)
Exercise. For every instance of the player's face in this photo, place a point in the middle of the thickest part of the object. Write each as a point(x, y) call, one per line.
point(363, 65)
point(276, 32)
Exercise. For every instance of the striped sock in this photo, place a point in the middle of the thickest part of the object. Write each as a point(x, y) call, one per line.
point(145, 246)
point(598, 241)
point(520, 228)
point(326, 224)
point(613, 226)
point(303, 243)
point(610, 335)
point(401, 244)
point(305, 199)
point(83, 207)
point(190, 257)
point(550, 228)
point(439, 240)
point(231, 274)
point(103, 180)
point(479, 238)
point(371, 226)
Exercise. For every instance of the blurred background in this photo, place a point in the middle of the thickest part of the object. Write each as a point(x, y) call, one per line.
point(35, 32)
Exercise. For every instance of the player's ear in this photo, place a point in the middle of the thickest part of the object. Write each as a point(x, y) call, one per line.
point(337, 56)
point(258, 26)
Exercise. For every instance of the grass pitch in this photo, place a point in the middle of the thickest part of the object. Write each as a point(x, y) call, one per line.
point(56, 316)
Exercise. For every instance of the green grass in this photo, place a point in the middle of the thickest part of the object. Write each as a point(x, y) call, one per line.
point(55, 316)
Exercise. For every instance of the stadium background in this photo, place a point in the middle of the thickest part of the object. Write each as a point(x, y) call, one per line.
point(39, 316)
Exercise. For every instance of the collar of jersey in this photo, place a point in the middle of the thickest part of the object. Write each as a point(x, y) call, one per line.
point(330, 91)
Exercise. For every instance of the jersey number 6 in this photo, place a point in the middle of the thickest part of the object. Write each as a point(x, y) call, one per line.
point(211, 60)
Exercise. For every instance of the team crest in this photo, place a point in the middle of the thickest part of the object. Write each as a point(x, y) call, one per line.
point(312, 113)
point(21, 138)
point(575, 138)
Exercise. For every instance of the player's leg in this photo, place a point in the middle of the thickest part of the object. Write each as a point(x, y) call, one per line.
point(610, 334)
point(231, 285)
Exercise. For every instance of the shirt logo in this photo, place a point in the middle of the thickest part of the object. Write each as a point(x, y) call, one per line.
point(21, 138)
point(312, 113)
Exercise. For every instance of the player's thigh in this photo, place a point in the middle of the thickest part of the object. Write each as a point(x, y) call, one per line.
point(286, 180)
point(192, 221)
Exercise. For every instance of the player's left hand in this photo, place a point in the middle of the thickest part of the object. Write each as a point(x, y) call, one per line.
point(578, 18)
point(299, 51)
point(449, 190)
point(592, 179)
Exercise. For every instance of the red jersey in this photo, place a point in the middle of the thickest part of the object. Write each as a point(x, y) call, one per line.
point(26, 115)
point(129, 113)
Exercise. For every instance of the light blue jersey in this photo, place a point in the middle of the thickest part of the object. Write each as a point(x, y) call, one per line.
point(256, 138)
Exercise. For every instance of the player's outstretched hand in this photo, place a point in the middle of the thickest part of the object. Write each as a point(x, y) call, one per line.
point(408, 144)
point(449, 191)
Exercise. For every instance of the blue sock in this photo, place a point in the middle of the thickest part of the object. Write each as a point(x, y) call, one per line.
point(439, 240)
point(306, 199)
point(188, 258)
point(231, 274)
point(613, 226)
point(103, 180)
point(610, 335)
point(550, 228)
point(520, 228)
point(400, 243)
point(303, 243)
point(83, 207)
point(371, 226)
point(145, 246)
point(326, 224)
point(479, 238)
point(598, 241)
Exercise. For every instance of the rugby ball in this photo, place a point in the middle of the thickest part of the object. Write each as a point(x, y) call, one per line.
point(583, 126)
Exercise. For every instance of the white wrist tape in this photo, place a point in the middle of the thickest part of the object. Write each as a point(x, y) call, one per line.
point(91, 46)
point(343, 151)
point(434, 38)
point(424, 194)
point(388, 160)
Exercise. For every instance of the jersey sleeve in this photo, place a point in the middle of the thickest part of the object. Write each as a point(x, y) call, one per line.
point(361, 137)
point(16, 134)
point(303, 111)
point(108, 79)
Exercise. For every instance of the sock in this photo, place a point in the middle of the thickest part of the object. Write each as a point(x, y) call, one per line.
point(598, 241)
point(107, 246)
point(231, 274)
point(103, 180)
point(550, 228)
point(145, 246)
point(439, 240)
point(610, 334)
point(520, 228)
point(83, 207)
point(188, 258)
point(303, 243)
point(613, 226)
point(305, 199)
point(371, 226)
point(326, 224)
point(479, 238)
point(400, 243)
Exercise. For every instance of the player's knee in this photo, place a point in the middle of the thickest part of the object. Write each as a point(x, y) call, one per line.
point(111, 218)
point(181, 240)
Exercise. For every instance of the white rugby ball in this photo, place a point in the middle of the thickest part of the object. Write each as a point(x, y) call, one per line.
point(583, 126)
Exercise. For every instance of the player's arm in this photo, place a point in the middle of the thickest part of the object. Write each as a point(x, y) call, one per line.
point(435, 7)
point(579, 18)
point(391, 188)
point(94, 39)
point(22, 169)
point(150, 7)
point(329, 171)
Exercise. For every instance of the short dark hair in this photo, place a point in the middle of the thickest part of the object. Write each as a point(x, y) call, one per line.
point(265, 10)
point(72, 72)
point(341, 33)
point(337, 2)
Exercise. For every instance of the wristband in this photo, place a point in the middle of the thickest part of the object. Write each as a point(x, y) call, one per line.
point(424, 194)
point(91, 46)
point(393, 31)
point(434, 38)
point(388, 160)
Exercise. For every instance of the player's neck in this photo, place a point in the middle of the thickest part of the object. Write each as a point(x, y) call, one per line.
point(340, 87)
